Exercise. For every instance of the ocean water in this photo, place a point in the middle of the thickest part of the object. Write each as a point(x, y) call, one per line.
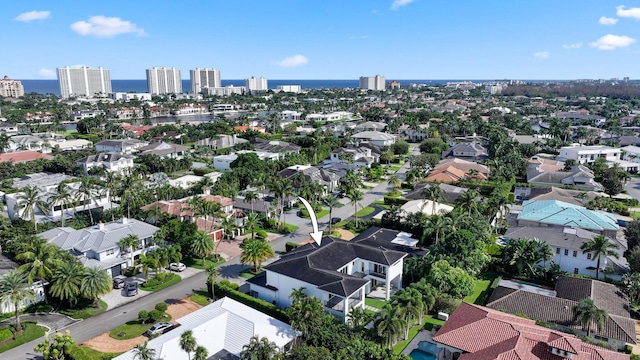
point(140, 86)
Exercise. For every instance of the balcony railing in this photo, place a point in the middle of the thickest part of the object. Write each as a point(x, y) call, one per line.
point(337, 303)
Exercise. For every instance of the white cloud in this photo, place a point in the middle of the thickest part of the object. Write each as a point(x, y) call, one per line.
point(33, 15)
point(106, 27)
point(572, 46)
point(541, 54)
point(292, 61)
point(612, 42)
point(628, 13)
point(46, 73)
point(607, 20)
point(400, 3)
point(355, 37)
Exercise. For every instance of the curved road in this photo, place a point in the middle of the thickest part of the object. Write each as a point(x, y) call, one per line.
point(96, 325)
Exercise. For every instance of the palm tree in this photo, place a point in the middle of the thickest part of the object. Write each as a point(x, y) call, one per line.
point(259, 349)
point(127, 243)
point(144, 352)
point(331, 201)
point(355, 196)
point(586, 313)
point(212, 273)
point(435, 194)
point(15, 290)
point(187, 342)
point(63, 198)
point(66, 282)
point(229, 227)
point(110, 185)
point(202, 244)
point(130, 191)
point(390, 324)
point(468, 202)
point(95, 282)
point(599, 246)
point(436, 224)
point(201, 353)
point(412, 307)
point(252, 221)
point(306, 315)
point(297, 295)
point(394, 181)
point(40, 259)
point(250, 197)
point(255, 251)
point(87, 193)
point(28, 201)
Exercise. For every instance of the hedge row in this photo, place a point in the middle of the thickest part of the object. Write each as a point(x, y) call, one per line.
point(221, 291)
point(394, 201)
point(290, 246)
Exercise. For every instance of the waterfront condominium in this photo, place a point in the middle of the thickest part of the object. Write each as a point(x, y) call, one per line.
point(164, 80)
point(204, 78)
point(255, 84)
point(372, 82)
point(11, 88)
point(83, 81)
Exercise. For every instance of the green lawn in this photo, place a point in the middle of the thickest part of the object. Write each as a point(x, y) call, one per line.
point(376, 303)
point(365, 211)
point(320, 214)
point(31, 332)
point(198, 264)
point(290, 229)
point(481, 289)
point(394, 168)
point(155, 285)
point(133, 329)
point(85, 312)
point(200, 297)
point(428, 322)
point(80, 352)
point(248, 273)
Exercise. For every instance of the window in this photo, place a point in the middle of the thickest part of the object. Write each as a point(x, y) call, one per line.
point(111, 251)
point(575, 270)
point(575, 253)
point(557, 250)
point(566, 252)
point(589, 256)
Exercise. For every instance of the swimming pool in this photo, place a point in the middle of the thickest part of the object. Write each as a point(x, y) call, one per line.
point(425, 351)
point(418, 354)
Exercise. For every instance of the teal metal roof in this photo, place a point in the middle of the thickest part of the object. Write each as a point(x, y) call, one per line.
point(566, 214)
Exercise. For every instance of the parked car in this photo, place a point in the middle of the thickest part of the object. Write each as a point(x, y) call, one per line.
point(160, 328)
point(118, 283)
point(132, 289)
point(502, 241)
point(335, 220)
point(177, 266)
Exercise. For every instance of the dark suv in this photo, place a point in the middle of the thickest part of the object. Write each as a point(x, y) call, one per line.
point(118, 283)
point(132, 289)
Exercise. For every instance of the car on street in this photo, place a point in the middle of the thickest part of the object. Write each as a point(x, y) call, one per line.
point(160, 328)
point(335, 220)
point(131, 289)
point(118, 283)
point(177, 267)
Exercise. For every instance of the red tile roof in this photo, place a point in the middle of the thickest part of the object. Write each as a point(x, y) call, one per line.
point(483, 333)
point(23, 156)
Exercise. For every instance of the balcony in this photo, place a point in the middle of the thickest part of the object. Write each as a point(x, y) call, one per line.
point(336, 303)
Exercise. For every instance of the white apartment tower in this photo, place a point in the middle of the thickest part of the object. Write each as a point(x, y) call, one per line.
point(11, 88)
point(255, 84)
point(83, 81)
point(204, 78)
point(372, 82)
point(164, 80)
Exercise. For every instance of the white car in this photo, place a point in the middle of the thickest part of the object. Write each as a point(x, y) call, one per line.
point(160, 328)
point(177, 266)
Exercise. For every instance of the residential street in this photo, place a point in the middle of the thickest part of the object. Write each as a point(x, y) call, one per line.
point(94, 326)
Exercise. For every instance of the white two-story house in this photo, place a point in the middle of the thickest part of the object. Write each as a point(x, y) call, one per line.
point(111, 161)
point(589, 154)
point(566, 243)
point(340, 273)
point(97, 246)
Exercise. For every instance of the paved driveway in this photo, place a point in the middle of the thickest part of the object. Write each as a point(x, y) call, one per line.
point(54, 322)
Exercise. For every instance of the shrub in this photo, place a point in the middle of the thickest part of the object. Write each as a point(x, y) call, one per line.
point(201, 171)
point(229, 284)
point(261, 234)
point(5, 333)
point(143, 315)
point(290, 246)
point(161, 306)
point(394, 201)
point(445, 303)
point(304, 212)
point(155, 315)
point(266, 307)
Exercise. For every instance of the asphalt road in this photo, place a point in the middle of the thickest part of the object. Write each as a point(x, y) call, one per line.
point(96, 325)
point(633, 187)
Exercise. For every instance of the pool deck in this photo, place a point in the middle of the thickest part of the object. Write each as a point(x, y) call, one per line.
point(423, 335)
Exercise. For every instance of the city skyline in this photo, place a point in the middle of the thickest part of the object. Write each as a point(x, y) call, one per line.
point(286, 39)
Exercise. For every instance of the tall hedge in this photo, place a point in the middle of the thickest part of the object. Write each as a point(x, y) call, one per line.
point(222, 290)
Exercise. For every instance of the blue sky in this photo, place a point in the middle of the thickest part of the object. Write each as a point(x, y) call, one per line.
point(328, 39)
